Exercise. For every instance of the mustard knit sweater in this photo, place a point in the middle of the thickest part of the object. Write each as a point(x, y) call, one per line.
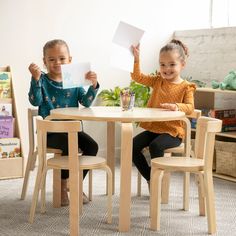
point(166, 92)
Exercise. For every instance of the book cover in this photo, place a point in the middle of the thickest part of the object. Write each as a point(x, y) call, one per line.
point(5, 109)
point(193, 122)
point(228, 128)
point(6, 127)
point(9, 147)
point(5, 85)
point(229, 121)
point(222, 113)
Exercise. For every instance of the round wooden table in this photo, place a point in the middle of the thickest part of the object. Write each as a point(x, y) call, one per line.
point(112, 115)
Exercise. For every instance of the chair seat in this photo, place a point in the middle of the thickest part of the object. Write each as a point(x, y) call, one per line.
point(178, 163)
point(86, 162)
point(179, 149)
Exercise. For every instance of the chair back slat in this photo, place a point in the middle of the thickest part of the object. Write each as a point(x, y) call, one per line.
point(58, 126)
point(45, 126)
point(207, 127)
point(31, 128)
point(195, 114)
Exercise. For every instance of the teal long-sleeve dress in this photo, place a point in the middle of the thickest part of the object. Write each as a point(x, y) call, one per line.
point(48, 94)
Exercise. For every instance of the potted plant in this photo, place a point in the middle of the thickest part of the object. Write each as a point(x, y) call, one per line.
point(111, 97)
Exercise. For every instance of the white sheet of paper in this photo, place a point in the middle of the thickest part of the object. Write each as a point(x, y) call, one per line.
point(125, 36)
point(121, 58)
point(73, 75)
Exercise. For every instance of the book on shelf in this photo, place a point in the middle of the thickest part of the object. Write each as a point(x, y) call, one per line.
point(228, 117)
point(9, 148)
point(222, 113)
point(5, 109)
point(6, 127)
point(193, 122)
point(228, 128)
point(5, 85)
point(229, 121)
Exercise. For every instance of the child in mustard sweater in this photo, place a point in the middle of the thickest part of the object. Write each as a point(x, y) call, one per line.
point(169, 91)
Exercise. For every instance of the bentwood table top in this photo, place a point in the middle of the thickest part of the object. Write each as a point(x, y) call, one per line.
point(112, 115)
point(100, 113)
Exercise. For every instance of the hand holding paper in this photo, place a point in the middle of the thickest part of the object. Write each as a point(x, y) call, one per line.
point(135, 49)
point(92, 77)
point(73, 75)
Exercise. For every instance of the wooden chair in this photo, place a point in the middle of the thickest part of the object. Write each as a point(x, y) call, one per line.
point(61, 162)
point(201, 165)
point(166, 178)
point(33, 151)
point(32, 157)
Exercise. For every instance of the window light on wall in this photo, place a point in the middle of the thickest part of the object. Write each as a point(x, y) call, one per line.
point(222, 13)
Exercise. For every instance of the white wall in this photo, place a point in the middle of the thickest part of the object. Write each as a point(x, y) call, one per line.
point(88, 27)
point(212, 57)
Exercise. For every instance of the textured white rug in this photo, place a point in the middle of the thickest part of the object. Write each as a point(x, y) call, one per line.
point(174, 222)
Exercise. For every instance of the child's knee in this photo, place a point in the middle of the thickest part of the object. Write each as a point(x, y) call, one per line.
point(155, 150)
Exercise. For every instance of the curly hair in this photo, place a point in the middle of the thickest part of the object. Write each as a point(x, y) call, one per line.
point(52, 43)
point(177, 45)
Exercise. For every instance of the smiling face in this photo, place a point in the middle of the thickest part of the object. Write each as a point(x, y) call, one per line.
point(54, 57)
point(171, 65)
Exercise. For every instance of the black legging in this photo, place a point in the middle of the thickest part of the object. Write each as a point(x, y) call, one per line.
point(157, 143)
point(60, 141)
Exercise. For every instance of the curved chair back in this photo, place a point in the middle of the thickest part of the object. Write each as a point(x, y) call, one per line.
point(47, 126)
point(31, 128)
point(207, 127)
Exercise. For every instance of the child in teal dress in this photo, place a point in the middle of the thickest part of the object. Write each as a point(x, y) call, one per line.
point(47, 93)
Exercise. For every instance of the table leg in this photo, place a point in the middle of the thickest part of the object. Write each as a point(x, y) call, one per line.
point(111, 152)
point(188, 137)
point(74, 184)
point(187, 174)
point(125, 176)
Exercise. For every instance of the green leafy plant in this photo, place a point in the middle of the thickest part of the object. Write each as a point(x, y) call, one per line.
point(111, 97)
point(195, 81)
point(142, 94)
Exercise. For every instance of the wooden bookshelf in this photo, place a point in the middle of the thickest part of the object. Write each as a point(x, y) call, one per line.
point(205, 99)
point(12, 167)
point(211, 90)
point(225, 177)
point(231, 134)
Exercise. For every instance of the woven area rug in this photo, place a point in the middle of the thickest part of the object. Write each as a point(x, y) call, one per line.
point(174, 221)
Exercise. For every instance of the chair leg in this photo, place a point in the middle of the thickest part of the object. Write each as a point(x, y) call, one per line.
point(210, 202)
point(90, 185)
point(165, 188)
point(35, 195)
point(186, 191)
point(155, 198)
point(139, 184)
point(109, 196)
point(56, 188)
point(201, 194)
point(81, 192)
point(29, 166)
point(43, 190)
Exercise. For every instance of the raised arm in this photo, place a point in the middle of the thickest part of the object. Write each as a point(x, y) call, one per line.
point(137, 76)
